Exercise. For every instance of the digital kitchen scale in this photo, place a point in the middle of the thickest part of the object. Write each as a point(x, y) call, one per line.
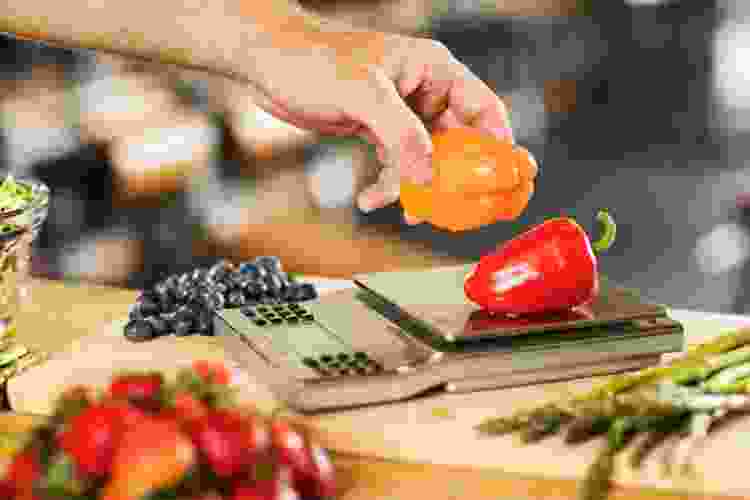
point(399, 335)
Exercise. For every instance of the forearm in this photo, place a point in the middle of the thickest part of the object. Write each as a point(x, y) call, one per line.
point(224, 37)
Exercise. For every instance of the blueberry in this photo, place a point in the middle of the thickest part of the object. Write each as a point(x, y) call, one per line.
point(148, 307)
point(253, 290)
point(194, 295)
point(219, 270)
point(250, 270)
point(166, 303)
point(147, 295)
point(263, 288)
point(169, 318)
point(304, 291)
point(135, 313)
point(236, 298)
point(161, 289)
point(184, 308)
point(204, 324)
point(285, 279)
point(171, 282)
point(183, 328)
point(262, 273)
point(139, 331)
point(199, 275)
point(234, 277)
point(218, 301)
point(205, 298)
point(160, 326)
point(182, 294)
point(271, 263)
point(219, 287)
point(184, 280)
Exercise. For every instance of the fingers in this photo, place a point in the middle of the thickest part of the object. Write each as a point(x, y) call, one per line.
point(406, 145)
point(476, 105)
point(446, 93)
point(384, 192)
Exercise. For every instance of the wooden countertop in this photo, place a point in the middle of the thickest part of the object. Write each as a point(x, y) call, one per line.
point(62, 312)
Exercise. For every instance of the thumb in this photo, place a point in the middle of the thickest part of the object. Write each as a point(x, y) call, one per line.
point(406, 146)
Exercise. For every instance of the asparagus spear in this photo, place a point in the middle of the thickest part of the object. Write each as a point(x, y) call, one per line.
point(705, 368)
point(519, 420)
point(700, 422)
point(655, 437)
point(538, 429)
point(722, 380)
point(739, 386)
point(722, 344)
point(596, 484)
point(585, 428)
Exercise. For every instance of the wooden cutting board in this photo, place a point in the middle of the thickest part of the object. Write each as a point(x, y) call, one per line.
point(434, 430)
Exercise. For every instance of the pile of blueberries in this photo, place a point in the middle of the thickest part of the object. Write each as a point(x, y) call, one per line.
point(183, 304)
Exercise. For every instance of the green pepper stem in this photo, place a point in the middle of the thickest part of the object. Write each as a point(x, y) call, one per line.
point(608, 233)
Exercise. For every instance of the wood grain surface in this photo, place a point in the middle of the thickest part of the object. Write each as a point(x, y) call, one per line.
point(425, 446)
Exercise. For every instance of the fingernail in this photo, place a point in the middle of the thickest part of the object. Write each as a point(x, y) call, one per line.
point(502, 133)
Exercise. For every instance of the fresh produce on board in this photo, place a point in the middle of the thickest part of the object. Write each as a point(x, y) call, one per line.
point(477, 180)
point(550, 267)
point(146, 438)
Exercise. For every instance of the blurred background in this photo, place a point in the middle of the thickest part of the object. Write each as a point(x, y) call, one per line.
point(638, 106)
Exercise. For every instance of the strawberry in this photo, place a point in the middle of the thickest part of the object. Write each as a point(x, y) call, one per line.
point(7, 490)
point(291, 449)
point(275, 488)
point(153, 455)
point(212, 372)
point(310, 465)
point(22, 473)
point(136, 387)
point(321, 482)
point(93, 435)
point(229, 442)
point(188, 407)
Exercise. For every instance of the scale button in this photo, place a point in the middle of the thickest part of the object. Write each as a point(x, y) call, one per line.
point(311, 362)
point(248, 311)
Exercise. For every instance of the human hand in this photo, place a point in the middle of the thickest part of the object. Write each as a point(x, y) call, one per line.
point(389, 89)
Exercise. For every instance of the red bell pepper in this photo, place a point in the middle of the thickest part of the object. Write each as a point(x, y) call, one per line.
point(550, 267)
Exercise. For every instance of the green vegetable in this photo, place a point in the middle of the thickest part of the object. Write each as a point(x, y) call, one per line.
point(543, 426)
point(518, 421)
point(705, 368)
point(608, 235)
point(596, 484)
point(14, 195)
point(656, 436)
point(585, 428)
point(727, 377)
point(12, 354)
